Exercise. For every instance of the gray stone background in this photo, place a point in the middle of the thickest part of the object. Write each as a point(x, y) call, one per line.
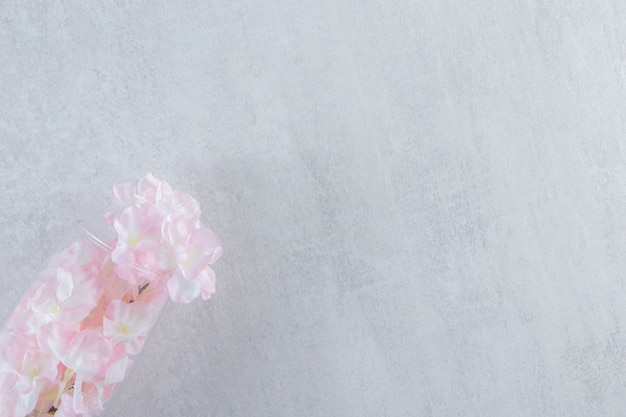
point(421, 202)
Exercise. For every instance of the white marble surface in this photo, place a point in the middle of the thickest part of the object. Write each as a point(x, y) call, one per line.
point(422, 203)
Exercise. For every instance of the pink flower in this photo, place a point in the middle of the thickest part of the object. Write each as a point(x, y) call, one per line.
point(152, 190)
point(24, 372)
point(67, 295)
point(139, 254)
point(130, 323)
point(146, 261)
point(124, 195)
point(195, 248)
point(137, 224)
point(36, 365)
point(86, 352)
point(181, 203)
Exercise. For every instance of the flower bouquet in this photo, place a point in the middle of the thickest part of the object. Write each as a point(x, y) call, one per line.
point(72, 337)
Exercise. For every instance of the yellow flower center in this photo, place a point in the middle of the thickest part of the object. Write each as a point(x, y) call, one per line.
point(133, 240)
point(33, 372)
point(123, 328)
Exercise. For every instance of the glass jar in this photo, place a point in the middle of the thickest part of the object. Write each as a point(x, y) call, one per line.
point(72, 338)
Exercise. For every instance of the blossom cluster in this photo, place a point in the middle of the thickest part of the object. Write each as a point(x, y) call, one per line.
point(71, 339)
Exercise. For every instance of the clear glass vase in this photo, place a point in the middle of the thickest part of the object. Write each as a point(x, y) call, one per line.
point(64, 347)
point(71, 340)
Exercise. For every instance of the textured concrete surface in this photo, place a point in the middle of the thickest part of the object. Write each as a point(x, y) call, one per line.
point(421, 202)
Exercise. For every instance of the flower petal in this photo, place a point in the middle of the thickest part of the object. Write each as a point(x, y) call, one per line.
point(87, 353)
point(207, 282)
point(182, 290)
point(152, 189)
point(124, 194)
point(118, 367)
point(130, 323)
